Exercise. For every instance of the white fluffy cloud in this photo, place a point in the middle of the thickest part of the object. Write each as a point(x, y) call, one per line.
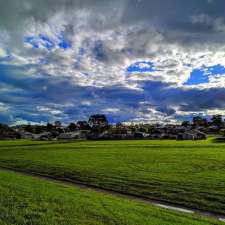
point(102, 39)
point(100, 58)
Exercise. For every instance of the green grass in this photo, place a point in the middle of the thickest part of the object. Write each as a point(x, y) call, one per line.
point(30, 201)
point(191, 173)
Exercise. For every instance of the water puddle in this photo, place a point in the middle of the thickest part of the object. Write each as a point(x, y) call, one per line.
point(175, 208)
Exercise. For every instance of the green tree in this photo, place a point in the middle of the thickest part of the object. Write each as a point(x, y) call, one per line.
point(49, 127)
point(199, 121)
point(217, 120)
point(185, 123)
point(72, 126)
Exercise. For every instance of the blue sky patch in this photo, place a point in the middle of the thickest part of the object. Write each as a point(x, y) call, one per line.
point(63, 42)
point(32, 41)
point(43, 40)
point(47, 43)
point(217, 69)
point(201, 76)
point(141, 67)
point(197, 77)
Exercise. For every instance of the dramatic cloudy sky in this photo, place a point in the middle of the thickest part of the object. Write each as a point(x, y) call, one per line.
point(133, 60)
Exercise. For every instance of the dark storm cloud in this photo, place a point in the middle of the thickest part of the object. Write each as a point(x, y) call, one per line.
point(172, 14)
point(179, 20)
point(165, 15)
point(186, 99)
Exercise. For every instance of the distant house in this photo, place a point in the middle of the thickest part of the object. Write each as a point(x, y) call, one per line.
point(176, 132)
point(186, 136)
point(140, 135)
point(109, 135)
point(7, 133)
point(199, 135)
point(45, 136)
point(9, 136)
point(213, 129)
point(26, 135)
point(191, 135)
point(73, 135)
point(83, 125)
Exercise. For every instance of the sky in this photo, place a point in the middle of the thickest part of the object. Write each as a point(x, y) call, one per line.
point(132, 60)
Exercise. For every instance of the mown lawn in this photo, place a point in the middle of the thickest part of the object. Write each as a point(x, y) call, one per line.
point(31, 201)
point(191, 173)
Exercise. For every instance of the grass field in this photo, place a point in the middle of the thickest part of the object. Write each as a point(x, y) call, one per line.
point(187, 172)
point(30, 201)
